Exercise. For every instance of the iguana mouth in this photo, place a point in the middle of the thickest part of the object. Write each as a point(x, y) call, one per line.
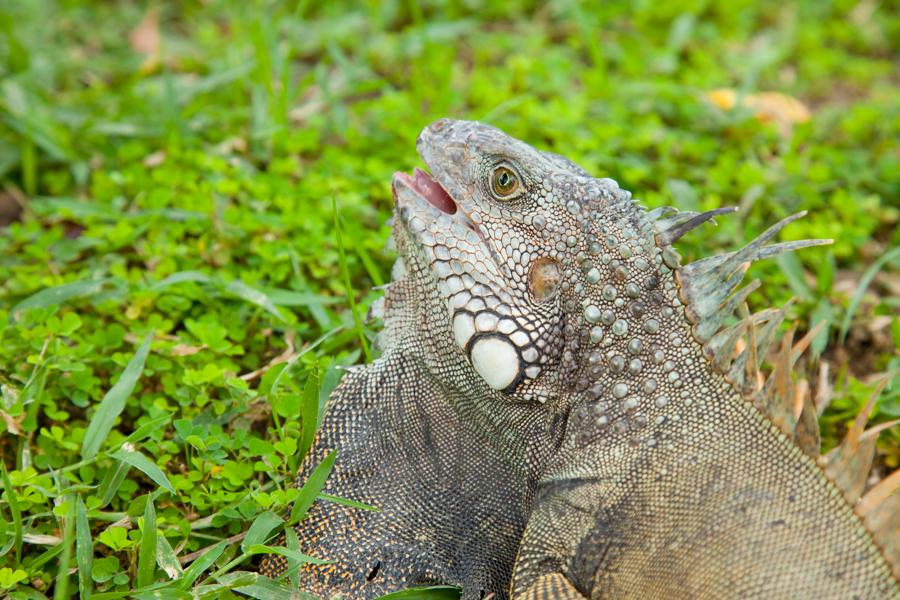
point(428, 193)
point(428, 188)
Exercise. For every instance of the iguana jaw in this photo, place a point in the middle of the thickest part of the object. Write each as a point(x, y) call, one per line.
point(431, 215)
point(467, 275)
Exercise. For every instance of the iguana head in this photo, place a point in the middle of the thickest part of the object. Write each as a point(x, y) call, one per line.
point(542, 272)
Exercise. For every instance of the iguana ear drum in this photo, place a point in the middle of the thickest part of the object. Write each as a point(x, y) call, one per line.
point(543, 279)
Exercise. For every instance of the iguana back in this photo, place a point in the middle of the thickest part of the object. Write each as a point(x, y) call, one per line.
point(707, 500)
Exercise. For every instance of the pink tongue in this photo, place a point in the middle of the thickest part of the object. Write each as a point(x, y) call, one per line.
point(433, 192)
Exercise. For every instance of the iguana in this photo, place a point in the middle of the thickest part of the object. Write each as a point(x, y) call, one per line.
point(562, 410)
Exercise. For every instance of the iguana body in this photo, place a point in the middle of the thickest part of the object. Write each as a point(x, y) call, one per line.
point(546, 358)
point(707, 500)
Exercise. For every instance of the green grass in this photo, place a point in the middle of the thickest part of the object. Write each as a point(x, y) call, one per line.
point(176, 304)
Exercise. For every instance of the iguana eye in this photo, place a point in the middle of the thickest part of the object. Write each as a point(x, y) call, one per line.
point(504, 182)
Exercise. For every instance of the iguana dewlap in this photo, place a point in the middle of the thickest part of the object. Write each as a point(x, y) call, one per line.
point(561, 403)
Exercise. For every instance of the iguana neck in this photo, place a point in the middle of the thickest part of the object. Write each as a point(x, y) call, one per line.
point(643, 378)
point(523, 434)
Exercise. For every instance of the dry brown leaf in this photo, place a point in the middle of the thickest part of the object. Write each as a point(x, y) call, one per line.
point(288, 355)
point(10, 207)
point(880, 323)
point(300, 114)
point(39, 539)
point(767, 107)
point(185, 350)
point(891, 281)
point(13, 424)
point(233, 144)
point(145, 39)
point(155, 159)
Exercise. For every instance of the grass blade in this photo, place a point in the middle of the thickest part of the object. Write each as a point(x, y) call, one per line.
point(45, 557)
point(264, 588)
point(361, 333)
point(234, 579)
point(136, 459)
point(13, 503)
point(290, 298)
point(166, 559)
point(369, 264)
point(181, 277)
point(147, 550)
point(162, 594)
point(203, 562)
point(346, 502)
point(439, 592)
point(291, 554)
point(61, 590)
point(114, 402)
point(84, 549)
point(147, 428)
point(310, 490)
point(309, 412)
point(260, 529)
point(861, 288)
point(114, 477)
point(793, 271)
point(57, 294)
point(162, 591)
point(253, 296)
point(6, 539)
point(292, 544)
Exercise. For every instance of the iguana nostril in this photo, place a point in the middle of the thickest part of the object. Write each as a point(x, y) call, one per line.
point(543, 279)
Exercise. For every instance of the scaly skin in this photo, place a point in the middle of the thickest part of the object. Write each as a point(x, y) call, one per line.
point(547, 360)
